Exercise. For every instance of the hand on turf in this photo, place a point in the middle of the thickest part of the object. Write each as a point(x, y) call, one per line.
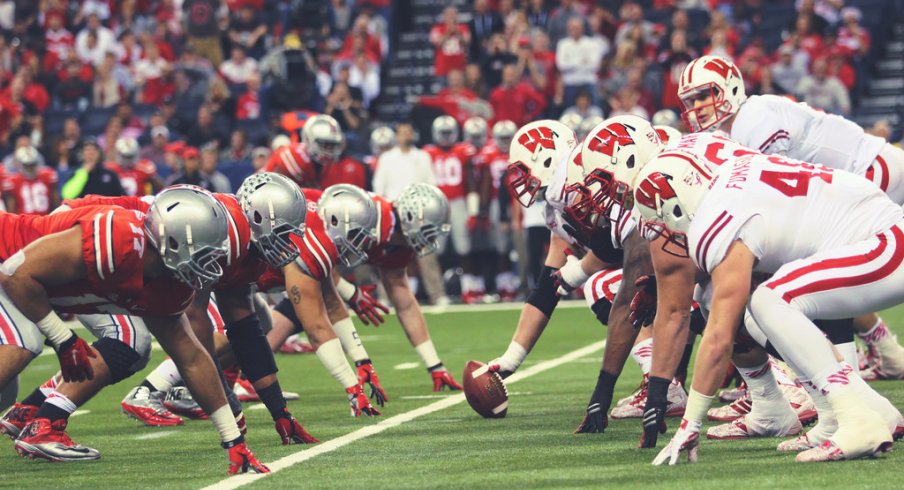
point(367, 375)
point(653, 425)
point(359, 402)
point(686, 439)
point(368, 308)
point(291, 432)
point(443, 380)
point(74, 363)
point(570, 276)
point(242, 459)
point(595, 420)
point(643, 304)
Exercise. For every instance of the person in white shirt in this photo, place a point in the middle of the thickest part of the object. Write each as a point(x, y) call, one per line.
point(578, 60)
point(106, 41)
point(239, 67)
point(401, 166)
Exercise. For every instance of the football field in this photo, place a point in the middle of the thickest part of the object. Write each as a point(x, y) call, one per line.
point(427, 440)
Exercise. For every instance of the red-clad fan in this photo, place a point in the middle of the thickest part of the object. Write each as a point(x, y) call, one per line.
point(106, 259)
point(33, 189)
point(138, 177)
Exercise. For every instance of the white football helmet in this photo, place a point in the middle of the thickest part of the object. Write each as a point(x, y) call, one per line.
point(28, 159)
point(279, 141)
point(323, 139)
point(716, 83)
point(665, 117)
point(668, 192)
point(275, 209)
point(613, 153)
point(475, 130)
point(503, 132)
point(189, 228)
point(381, 139)
point(586, 125)
point(536, 149)
point(571, 119)
point(423, 212)
point(350, 218)
point(445, 131)
point(126, 152)
point(668, 135)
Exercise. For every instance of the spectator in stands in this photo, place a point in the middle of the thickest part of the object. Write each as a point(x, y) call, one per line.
point(824, 12)
point(557, 26)
point(58, 39)
point(204, 130)
point(583, 106)
point(451, 41)
point(360, 39)
point(719, 45)
point(99, 8)
point(112, 132)
point(128, 51)
point(840, 68)
point(291, 74)
point(190, 170)
point(92, 176)
point(210, 158)
point(823, 91)
point(537, 14)
point(528, 69)
point(219, 98)
point(495, 60)
point(94, 40)
point(680, 22)
point(106, 91)
point(365, 76)
point(518, 102)
point(238, 149)
point(73, 91)
point(474, 80)
point(239, 67)
point(673, 63)
point(128, 19)
point(91, 52)
point(64, 150)
point(247, 30)
point(484, 23)
point(132, 124)
point(851, 35)
point(259, 157)
point(806, 37)
point(631, 15)
point(202, 25)
point(155, 151)
point(248, 105)
point(149, 73)
point(627, 101)
point(347, 111)
point(578, 59)
point(787, 72)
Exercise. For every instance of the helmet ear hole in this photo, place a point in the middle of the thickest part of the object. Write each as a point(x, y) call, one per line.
point(677, 212)
point(334, 220)
point(258, 219)
point(547, 163)
point(630, 162)
point(409, 216)
point(172, 244)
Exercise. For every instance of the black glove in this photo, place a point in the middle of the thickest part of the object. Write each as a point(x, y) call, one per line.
point(654, 411)
point(595, 418)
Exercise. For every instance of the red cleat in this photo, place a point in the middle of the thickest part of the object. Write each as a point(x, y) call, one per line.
point(41, 439)
point(16, 418)
point(147, 407)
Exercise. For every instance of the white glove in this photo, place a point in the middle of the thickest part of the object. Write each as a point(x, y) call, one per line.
point(570, 276)
point(686, 439)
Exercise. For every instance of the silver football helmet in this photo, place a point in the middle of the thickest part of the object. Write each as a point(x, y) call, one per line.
point(276, 209)
point(423, 212)
point(350, 219)
point(126, 151)
point(475, 130)
point(445, 131)
point(381, 139)
point(572, 120)
point(503, 132)
point(323, 138)
point(28, 159)
point(189, 229)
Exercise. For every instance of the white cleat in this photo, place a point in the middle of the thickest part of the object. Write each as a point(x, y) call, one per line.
point(751, 425)
point(733, 394)
point(732, 411)
point(677, 402)
point(640, 389)
point(800, 402)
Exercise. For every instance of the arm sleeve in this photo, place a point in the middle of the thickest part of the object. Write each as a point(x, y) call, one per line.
point(75, 185)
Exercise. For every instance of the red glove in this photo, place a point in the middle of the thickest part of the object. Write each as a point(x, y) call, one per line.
point(74, 363)
point(442, 379)
point(643, 304)
point(367, 375)
point(241, 458)
point(359, 402)
point(367, 306)
point(291, 431)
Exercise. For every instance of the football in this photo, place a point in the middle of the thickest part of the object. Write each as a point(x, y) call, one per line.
point(485, 391)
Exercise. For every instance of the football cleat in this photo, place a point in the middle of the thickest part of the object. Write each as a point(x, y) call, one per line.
point(640, 389)
point(798, 444)
point(443, 380)
point(295, 345)
point(677, 402)
point(291, 431)
point(146, 406)
point(732, 411)
point(472, 298)
point(245, 391)
point(730, 395)
point(359, 402)
point(800, 402)
point(16, 418)
point(750, 425)
point(830, 451)
point(290, 396)
point(180, 401)
point(41, 439)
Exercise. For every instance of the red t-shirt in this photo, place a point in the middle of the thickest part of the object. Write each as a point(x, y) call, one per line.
point(521, 103)
point(450, 54)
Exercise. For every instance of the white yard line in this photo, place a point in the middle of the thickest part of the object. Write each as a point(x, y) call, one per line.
point(436, 397)
point(79, 412)
point(155, 435)
point(395, 421)
point(513, 306)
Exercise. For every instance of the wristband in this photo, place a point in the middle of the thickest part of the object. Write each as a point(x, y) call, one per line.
point(346, 289)
point(54, 328)
point(233, 443)
point(697, 405)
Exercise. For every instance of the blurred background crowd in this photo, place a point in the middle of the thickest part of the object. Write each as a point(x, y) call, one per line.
point(143, 93)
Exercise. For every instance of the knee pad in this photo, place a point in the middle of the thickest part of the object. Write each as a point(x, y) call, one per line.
point(601, 309)
point(837, 331)
point(544, 296)
point(262, 309)
point(249, 344)
point(285, 308)
point(122, 360)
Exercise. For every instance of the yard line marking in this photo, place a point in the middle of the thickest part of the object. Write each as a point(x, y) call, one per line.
point(431, 397)
point(79, 412)
point(395, 421)
point(513, 306)
point(406, 365)
point(154, 435)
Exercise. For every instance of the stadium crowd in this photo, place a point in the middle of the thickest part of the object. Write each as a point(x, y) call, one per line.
point(124, 97)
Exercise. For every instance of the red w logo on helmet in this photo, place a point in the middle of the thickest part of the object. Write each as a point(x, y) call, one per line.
point(607, 138)
point(721, 67)
point(542, 136)
point(654, 189)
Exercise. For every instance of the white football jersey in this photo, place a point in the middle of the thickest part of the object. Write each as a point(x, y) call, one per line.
point(784, 210)
point(567, 171)
point(777, 125)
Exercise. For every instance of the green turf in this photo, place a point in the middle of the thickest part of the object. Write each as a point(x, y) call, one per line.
point(532, 447)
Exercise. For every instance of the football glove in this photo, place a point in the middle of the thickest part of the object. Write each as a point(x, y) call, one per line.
point(643, 304)
point(595, 420)
point(359, 402)
point(74, 364)
point(686, 439)
point(570, 276)
point(241, 458)
point(443, 380)
point(291, 432)
point(367, 306)
point(654, 411)
point(367, 375)
point(503, 367)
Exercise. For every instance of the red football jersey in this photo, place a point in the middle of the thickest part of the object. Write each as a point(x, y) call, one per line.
point(346, 171)
point(294, 163)
point(449, 166)
point(385, 254)
point(32, 195)
point(318, 255)
point(493, 161)
point(135, 180)
point(113, 247)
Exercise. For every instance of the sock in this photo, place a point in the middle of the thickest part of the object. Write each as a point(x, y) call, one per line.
point(348, 336)
point(163, 377)
point(874, 334)
point(642, 352)
point(56, 407)
point(272, 398)
point(333, 359)
point(781, 376)
point(428, 355)
point(513, 357)
point(848, 351)
point(49, 386)
point(826, 424)
point(36, 398)
point(832, 379)
point(764, 392)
